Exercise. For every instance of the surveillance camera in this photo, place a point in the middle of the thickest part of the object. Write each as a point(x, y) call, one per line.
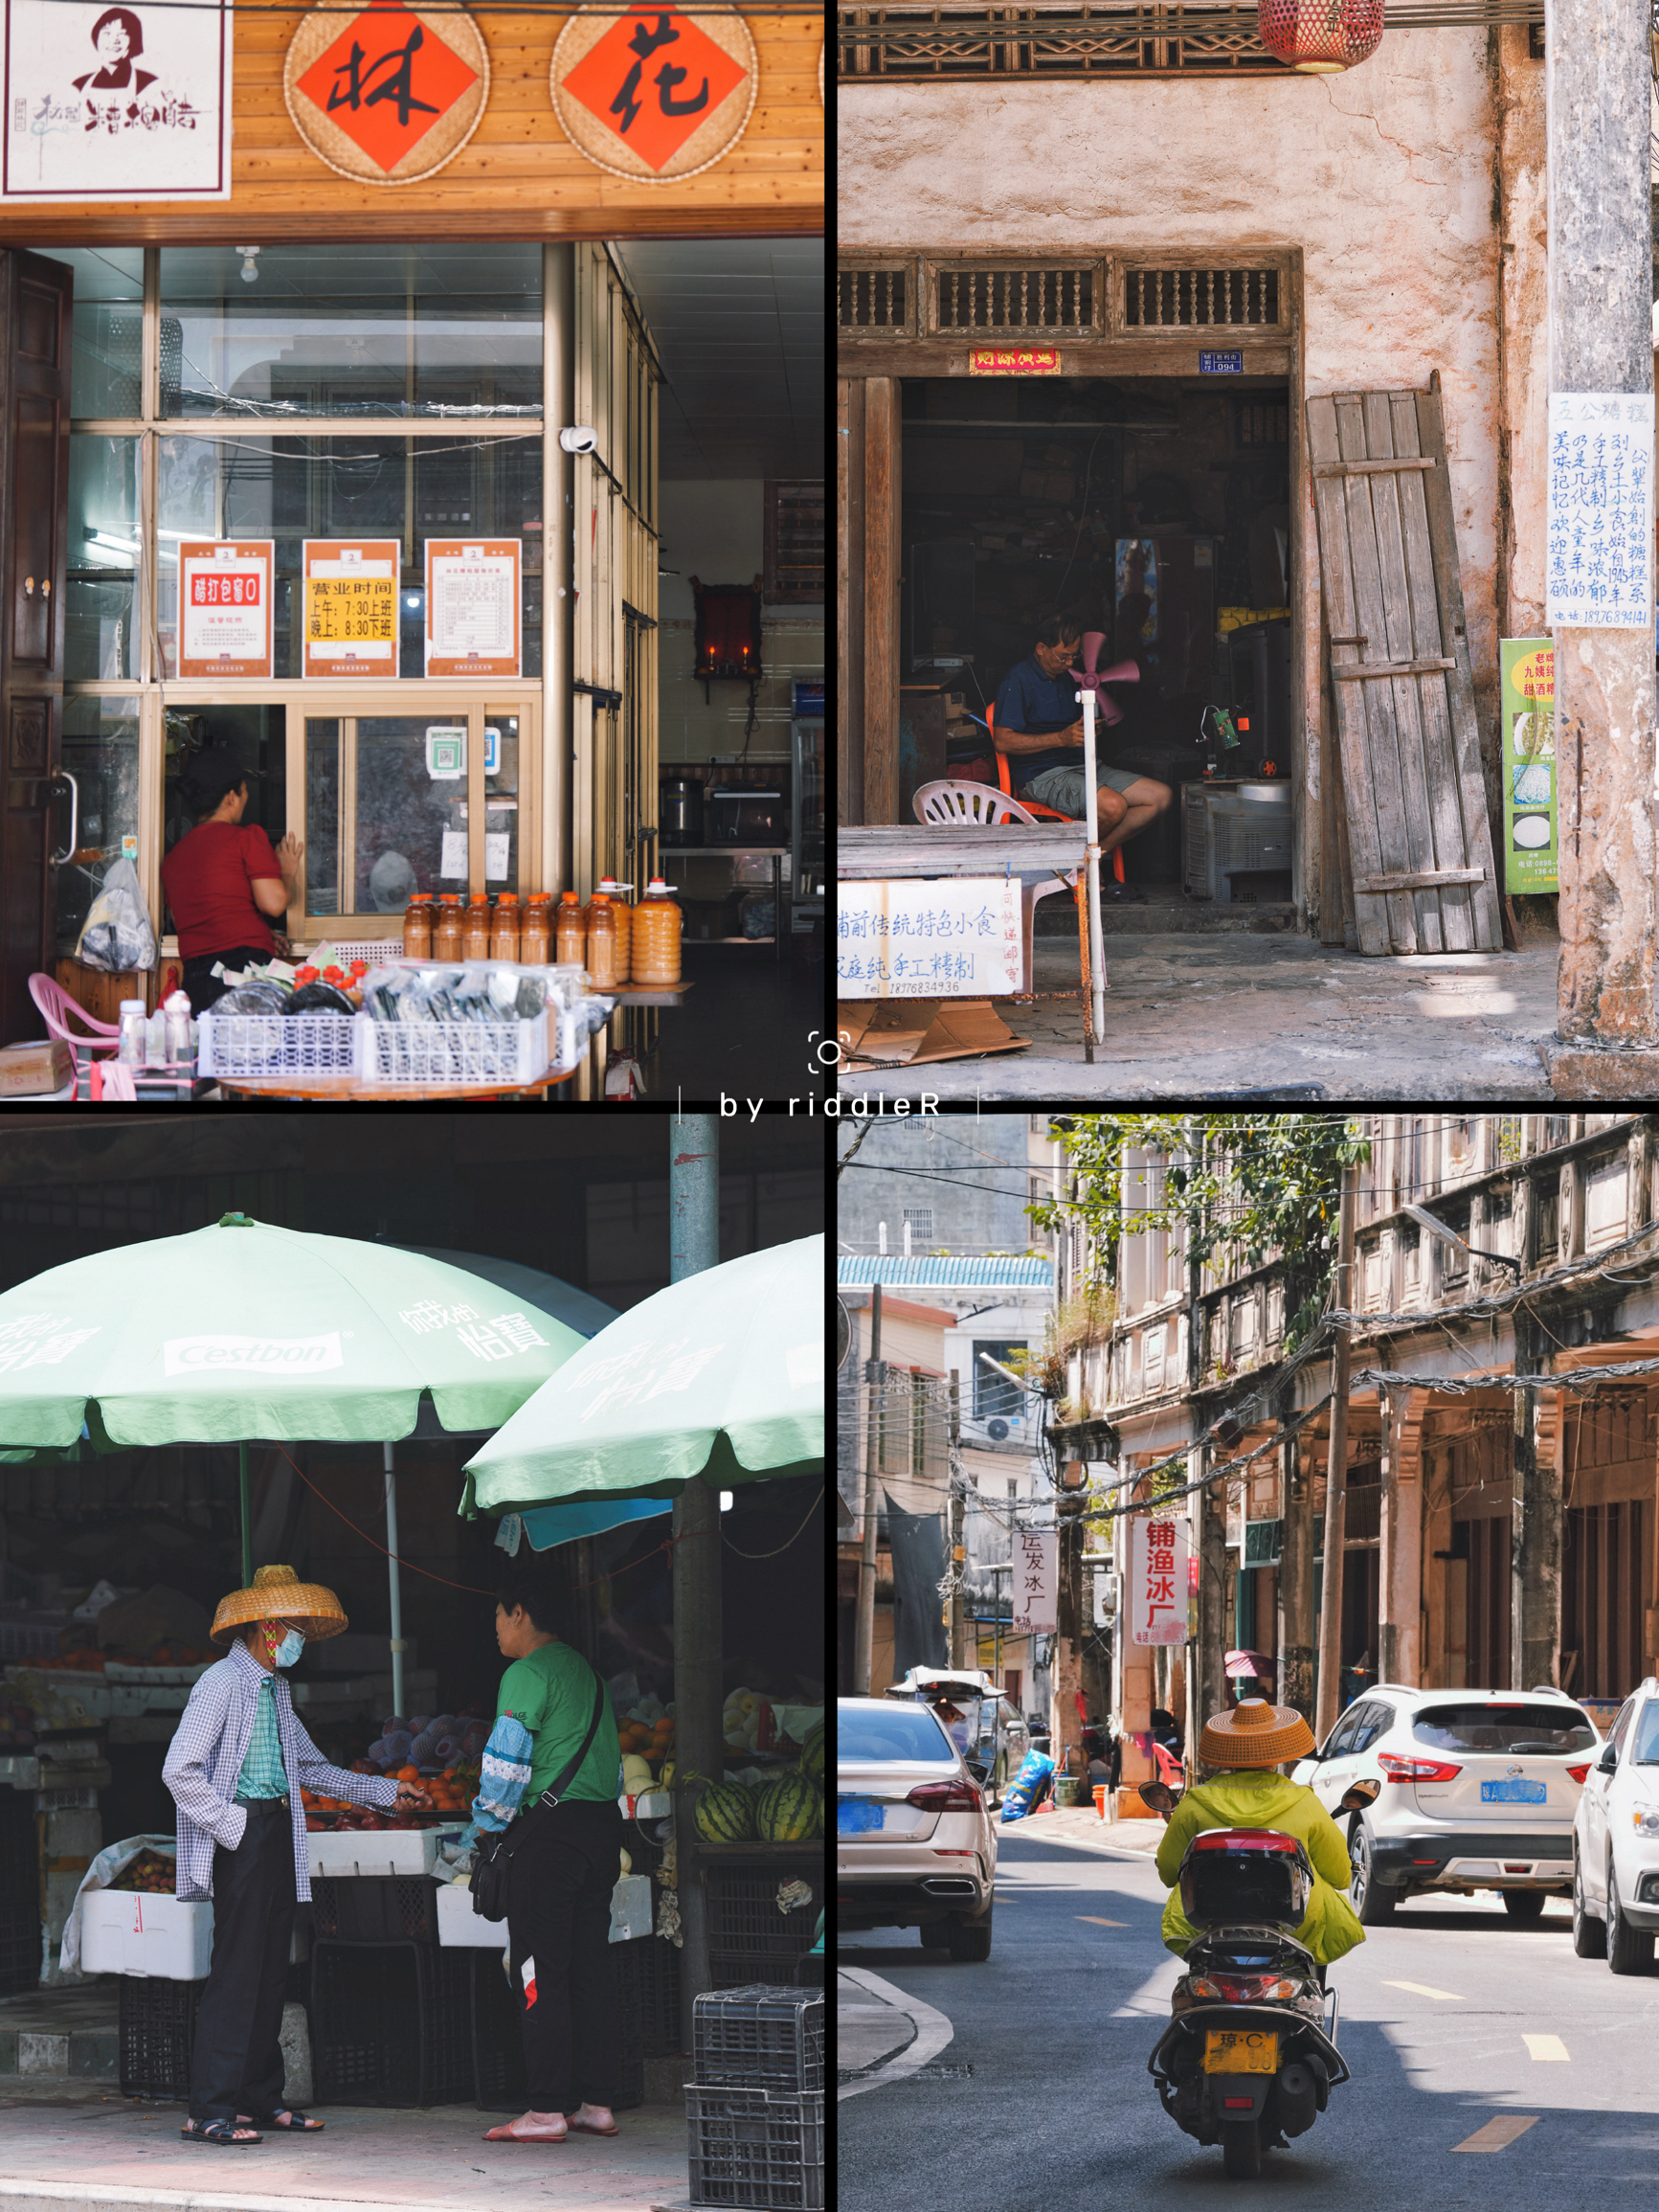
point(580, 440)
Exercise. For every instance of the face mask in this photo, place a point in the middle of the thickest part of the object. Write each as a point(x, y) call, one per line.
point(289, 1649)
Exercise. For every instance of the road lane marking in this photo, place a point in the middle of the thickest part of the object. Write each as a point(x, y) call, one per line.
point(1422, 1989)
point(1095, 1921)
point(1545, 2047)
point(1498, 2133)
point(933, 2031)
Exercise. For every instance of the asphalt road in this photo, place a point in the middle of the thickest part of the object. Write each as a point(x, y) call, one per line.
point(1453, 2020)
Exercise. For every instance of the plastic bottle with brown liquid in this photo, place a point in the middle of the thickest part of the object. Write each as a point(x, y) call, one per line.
point(618, 894)
point(417, 926)
point(602, 942)
point(503, 936)
point(474, 931)
point(570, 932)
point(446, 928)
point(535, 938)
point(656, 947)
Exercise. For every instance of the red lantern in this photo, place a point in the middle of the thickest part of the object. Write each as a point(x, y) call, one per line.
point(1321, 37)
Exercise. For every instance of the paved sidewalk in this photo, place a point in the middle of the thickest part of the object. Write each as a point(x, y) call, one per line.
point(75, 2148)
point(869, 2030)
point(1071, 1825)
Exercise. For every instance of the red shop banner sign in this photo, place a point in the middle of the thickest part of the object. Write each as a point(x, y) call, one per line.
point(1160, 1577)
point(1013, 361)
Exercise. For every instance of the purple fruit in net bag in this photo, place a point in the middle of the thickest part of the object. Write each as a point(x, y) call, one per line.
point(395, 1726)
point(399, 1747)
point(419, 1725)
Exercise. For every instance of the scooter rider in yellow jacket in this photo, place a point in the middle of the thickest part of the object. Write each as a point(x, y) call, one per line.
point(1249, 1744)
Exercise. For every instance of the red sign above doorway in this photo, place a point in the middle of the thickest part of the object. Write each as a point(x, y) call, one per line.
point(1013, 361)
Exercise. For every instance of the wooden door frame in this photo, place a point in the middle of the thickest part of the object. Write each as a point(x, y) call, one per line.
point(1111, 349)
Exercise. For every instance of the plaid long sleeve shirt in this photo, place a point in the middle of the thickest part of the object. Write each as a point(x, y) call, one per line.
point(206, 1757)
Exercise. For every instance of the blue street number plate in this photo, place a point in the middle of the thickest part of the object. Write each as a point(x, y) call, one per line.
point(856, 1817)
point(1221, 363)
point(1513, 1793)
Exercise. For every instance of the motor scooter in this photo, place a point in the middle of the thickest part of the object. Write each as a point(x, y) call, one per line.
point(1249, 2058)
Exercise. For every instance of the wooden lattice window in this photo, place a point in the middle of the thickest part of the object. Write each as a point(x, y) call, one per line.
point(1218, 299)
point(1059, 300)
point(795, 543)
point(1260, 423)
point(878, 298)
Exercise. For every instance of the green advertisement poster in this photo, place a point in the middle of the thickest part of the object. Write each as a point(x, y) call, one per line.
point(1529, 732)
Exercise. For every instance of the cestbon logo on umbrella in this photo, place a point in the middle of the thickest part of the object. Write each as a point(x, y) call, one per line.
point(252, 1355)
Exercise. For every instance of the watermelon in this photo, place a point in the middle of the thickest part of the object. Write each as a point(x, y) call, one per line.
point(812, 1754)
point(788, 1809)
point(725, 1813)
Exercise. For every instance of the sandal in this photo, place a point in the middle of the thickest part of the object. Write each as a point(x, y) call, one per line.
point(286, 2121)
point(587, 2127)
point(221, 2132)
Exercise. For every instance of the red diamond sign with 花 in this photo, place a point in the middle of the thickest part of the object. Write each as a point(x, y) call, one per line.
point(652, 79)
point(386, 81)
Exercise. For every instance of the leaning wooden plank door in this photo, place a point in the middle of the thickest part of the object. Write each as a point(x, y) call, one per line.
point(1423, 875)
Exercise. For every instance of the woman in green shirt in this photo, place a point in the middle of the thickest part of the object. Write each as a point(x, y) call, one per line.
point(563, 1871)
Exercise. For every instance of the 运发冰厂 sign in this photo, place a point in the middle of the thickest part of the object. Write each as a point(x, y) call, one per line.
point(936, 937)
point(351, 606)
point(472, 606)
point(1035, 1580)
point(1529, 748)
point(225, 607)
point(1159, 1550)
point(116, 103)
point(1597, 558)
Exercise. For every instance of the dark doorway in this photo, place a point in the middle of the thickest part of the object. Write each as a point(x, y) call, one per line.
point(1485, 1546)
point(1606, 1586)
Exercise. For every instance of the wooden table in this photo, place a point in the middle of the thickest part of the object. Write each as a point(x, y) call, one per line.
point(925, 849)
point(652, 994)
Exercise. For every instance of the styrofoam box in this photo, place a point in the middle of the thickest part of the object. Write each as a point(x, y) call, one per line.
point(631, 1908)
point(379, 1851)
point(651, 1805)
point(461, 1929)
point(127, 1932)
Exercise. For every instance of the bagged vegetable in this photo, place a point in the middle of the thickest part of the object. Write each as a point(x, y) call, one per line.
point(117, 936)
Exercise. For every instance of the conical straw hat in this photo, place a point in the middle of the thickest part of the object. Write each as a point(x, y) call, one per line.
point(1255, 1734)
point(279, 1594)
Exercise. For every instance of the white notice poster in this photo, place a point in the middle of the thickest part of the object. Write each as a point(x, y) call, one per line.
point(472, 606)
point(123, 103)
point(1601, 511)
point(225, 607)
point(452, 862)
point(928, 938)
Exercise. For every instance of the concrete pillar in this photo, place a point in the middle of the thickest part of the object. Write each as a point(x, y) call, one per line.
point(1399, 1569)
point(1536, 1608)
point(1601, 260)
point(1295, 1568)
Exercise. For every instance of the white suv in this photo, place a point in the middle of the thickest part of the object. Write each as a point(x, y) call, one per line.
point(1469, 1790)
point(1616, 1841)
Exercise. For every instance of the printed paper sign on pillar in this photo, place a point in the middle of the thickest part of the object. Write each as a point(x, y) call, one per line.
point(1160, 1577)
point(1036, 1578)
point(1601, 511)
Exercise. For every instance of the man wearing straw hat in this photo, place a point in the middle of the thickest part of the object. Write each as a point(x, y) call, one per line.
point(1248, 1743)
point(235, 1769)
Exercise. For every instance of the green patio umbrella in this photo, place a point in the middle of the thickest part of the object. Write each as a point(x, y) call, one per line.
point(719, 1376)
point(244, 1332)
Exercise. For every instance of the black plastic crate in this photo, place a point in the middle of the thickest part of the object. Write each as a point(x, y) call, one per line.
point(762, 2147)
point(374, 1909)
point(390, 2024)
point(158, 2033)
point(648, 1974)
point(498, 2045)
point(750, 1940)
point(19, 1894)
point(765, 2036)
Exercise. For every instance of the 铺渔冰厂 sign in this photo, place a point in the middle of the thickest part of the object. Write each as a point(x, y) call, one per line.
point(1529, 764)
point(1159, 1555)
point(929, 939)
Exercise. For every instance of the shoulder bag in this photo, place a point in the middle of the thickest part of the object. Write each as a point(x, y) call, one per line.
point(494, 1853)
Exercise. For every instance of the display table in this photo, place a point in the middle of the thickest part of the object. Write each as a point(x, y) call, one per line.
point(351, 1089)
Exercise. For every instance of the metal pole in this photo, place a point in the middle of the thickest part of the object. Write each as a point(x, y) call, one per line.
point(1092, 802)
point(1336, 1480)
point(865, 1644)
point(397, 1645)
point(700, 1740)
point(247, 1520)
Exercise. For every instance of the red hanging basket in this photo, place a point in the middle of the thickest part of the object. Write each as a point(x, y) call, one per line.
point(1321, 37)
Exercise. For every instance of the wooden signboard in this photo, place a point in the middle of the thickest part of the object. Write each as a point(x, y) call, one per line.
point(472, 606)
point(225, 607)
point(350, 588)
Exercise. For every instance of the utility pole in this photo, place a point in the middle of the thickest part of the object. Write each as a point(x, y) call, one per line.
point(865, 1652)
point(1536, 1533)
point(958, 1614)
point(1208, 1694)
point(1295, 1564)
point(1065, 1727)
point(1336, 1476)
point(1598, 92)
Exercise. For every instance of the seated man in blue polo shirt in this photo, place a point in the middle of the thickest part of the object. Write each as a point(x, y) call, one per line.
point(1040, 726)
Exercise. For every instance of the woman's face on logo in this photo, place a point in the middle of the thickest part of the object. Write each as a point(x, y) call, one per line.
point(113, 42)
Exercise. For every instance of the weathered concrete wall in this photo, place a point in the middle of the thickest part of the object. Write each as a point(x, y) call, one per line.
point(1387, 178)
point(1524, 335)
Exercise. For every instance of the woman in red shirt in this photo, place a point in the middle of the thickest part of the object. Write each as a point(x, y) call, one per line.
point(222, 881)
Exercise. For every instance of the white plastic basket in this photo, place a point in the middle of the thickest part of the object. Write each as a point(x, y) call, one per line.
point(451, 1051)
point(254, 1045)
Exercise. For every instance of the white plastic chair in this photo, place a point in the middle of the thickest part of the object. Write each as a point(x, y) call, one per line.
point(976, 805)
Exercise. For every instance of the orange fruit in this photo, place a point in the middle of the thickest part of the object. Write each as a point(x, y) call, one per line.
point(408, 1774)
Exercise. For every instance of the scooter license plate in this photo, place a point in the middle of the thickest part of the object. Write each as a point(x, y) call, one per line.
point(1241, 2051)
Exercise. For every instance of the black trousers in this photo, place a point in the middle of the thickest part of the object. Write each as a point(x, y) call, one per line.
point(238, 2062)
point(207, 990)
point(559, 1925)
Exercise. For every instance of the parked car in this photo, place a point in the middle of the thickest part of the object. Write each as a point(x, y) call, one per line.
point(1470, 1790)
point(915, 1843)
point(992, 1736)
point(1616, 1841)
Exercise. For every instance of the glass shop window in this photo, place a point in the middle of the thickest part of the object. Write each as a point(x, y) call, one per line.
point(104, 570)
point(100, 752)
point(258, 735)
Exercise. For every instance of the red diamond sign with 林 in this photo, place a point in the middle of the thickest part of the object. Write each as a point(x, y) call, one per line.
point(658, 93)
point(391, 95)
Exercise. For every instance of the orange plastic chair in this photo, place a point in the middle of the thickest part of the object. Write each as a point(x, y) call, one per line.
point(1031, 806)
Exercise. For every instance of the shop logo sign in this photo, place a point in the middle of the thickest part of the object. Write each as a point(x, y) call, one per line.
point(393, 96)
point(252, 1355)
point(658, 93)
